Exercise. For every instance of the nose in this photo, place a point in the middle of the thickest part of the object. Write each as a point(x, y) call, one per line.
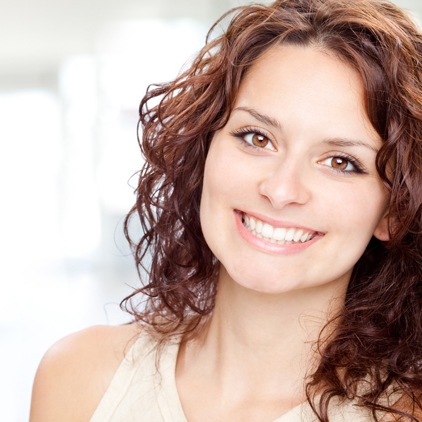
point(285, 184)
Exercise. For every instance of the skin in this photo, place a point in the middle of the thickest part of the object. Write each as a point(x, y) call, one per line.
point(75, 373)
point(254, 370)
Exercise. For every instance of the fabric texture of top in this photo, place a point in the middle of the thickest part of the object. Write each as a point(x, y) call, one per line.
point(141, 391)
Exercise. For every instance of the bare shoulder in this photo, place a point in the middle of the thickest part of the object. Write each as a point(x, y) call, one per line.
point(407, 405)
point(76, 371)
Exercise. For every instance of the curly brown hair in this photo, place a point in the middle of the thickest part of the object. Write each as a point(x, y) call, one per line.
point(378, 336)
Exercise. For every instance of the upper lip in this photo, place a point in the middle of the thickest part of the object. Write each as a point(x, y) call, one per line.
point(277, 223)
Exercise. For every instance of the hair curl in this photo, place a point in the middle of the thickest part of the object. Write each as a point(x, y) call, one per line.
point(378, 339)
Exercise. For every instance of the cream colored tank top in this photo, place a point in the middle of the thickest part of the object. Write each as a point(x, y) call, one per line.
point(140, 392)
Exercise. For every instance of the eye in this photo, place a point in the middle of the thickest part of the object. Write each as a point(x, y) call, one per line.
point(253, 138)
point(256, 139)
point(343, 164)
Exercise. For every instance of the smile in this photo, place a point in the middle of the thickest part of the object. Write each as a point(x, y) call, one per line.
point(276, 235)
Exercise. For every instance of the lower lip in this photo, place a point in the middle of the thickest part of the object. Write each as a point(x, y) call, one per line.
point(266, 246)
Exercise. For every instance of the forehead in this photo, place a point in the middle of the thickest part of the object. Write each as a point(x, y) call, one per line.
point(309, 87)
point(312, 67)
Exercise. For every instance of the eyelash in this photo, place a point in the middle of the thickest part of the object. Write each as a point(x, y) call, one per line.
point(241, 133)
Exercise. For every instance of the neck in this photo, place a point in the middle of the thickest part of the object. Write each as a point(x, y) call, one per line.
point(261, 320)
point(266, 340)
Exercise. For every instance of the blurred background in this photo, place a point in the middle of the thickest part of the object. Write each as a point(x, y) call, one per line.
point(72, 73)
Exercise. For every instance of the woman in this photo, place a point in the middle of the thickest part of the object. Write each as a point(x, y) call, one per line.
point(281, 207)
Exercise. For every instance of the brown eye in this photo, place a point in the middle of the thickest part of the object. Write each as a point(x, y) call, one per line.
point(339, 163)
point(259, 140)
point(342, 164)
point(254, 139)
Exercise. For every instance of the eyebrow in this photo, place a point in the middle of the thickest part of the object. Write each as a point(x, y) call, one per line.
point(261, 117)
point(336, 142)
point(345, 142)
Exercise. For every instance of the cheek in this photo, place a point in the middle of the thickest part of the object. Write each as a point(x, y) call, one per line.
point(223, 188)
point(359, 210)
point(213, 191)
point(215, 186)
point(225, 176)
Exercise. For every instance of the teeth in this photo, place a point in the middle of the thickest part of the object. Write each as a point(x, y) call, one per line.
point(305, 237)
point(258, 226)
point(298, 235)
point(289, 235)
point(267, 231)
point(278, 235)
point(252, 224)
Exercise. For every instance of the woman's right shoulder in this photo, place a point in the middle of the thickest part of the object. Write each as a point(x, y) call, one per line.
point(75, 372)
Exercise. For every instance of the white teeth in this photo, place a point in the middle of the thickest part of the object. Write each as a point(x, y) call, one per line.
point(258, 227)
point(252, 223)
point(290, 234)
point(279, 235)
point(304, 237)
point(298, 235)
point(267, 231)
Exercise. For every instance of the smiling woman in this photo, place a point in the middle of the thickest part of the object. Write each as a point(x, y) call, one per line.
point(280, 204)
point(297, 101)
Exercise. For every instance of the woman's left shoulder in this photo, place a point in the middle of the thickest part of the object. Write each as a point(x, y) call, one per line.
point(408, 406)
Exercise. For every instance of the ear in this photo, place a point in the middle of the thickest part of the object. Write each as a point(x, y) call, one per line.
point(382, 231)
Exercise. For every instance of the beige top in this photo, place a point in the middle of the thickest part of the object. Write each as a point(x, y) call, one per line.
point(138, 392)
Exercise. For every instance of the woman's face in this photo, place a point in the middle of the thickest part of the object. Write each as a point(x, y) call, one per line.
point(291, 195)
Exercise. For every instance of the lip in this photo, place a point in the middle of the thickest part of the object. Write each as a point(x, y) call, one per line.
point(273, 248)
